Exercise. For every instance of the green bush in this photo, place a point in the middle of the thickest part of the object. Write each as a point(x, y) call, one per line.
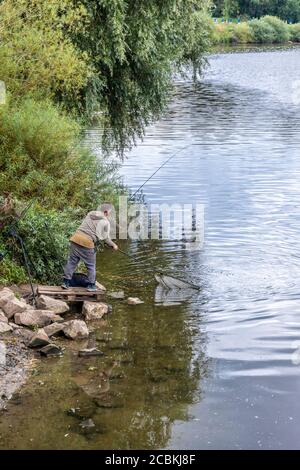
point(262, 31)
point(41, 155)
point(11, 272)
point(223, 34)
point(295, 32)
point(43, 160)
point(243, 33)
point(46, 239)
point(282, 33)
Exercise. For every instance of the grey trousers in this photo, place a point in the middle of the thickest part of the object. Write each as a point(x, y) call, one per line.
point(80, 253)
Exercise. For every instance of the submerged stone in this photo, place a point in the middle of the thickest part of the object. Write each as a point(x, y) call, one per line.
point(118, 295)
point(94, 310)
point(76, 329)
point(51, 350)
point(39, 339)
point(134, 301)
point(90, 352)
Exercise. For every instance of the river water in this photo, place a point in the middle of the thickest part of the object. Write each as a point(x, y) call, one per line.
point(220, 370)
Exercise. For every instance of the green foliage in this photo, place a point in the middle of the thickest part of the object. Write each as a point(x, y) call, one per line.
point(262, 31)
point(295, 32)
point(11, 272)
point(41, 156)
point(46, 235)
point(228, 33)
point(268, 29)
point(137, 46)
point(243, 33)
point(36, 55)
point(282, 33)
point(288, 10)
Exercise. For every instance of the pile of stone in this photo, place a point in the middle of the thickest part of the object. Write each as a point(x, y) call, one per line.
point(37, 326)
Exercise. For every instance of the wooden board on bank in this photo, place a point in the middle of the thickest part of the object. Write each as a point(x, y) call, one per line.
point(73, 294)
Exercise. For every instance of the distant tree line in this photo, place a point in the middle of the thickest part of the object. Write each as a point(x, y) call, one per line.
point(288, 10)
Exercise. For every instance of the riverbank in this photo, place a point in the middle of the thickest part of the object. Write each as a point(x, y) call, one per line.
point(28, 333)
point(266, 30)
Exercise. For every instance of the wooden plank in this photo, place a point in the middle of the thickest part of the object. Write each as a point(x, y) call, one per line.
point(73, 294)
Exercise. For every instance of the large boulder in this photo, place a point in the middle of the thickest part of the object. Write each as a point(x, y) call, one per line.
point(10, 304)
point(39, 339)
point(3, 318)
point(36, 318)
point(23, 333)
point(5, 327)
point(54, 329)
point(76, 329)
point(94, 310)
point(14, 306)
point(47, 303)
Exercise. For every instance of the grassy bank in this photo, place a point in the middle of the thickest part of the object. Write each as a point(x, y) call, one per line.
point(266, 30)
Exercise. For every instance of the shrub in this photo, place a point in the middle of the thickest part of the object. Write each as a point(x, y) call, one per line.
point(10, 272)
point(295, 32)
point(46, 159)
point(262, 31)
point(223, 34)
point(282, 33)
point(45, 235)
point(243, 33)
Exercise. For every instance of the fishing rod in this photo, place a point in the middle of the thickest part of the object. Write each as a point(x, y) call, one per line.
point(124, 253)
point(150, 177)
point(156, 171)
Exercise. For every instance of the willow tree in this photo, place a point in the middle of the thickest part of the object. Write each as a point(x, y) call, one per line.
point(135, 46)
point(114, 57)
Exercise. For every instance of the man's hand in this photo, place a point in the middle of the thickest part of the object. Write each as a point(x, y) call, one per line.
point(115, 247)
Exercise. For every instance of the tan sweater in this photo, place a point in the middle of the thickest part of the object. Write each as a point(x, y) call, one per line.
point(94, 227)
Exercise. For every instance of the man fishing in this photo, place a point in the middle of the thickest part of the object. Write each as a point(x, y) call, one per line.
point(95, 227)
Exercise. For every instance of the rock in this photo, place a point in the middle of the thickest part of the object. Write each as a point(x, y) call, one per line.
point(3, 318)
point(54, 305)
point(73, 412)
point(39, 339)
point(134, 301)
point(13, 306)
point(24, 334)
point(51, 350)
point(118, 295)
point(5, 327)
point(87, 424)
point(94, 310)
point(90, 352)
point(5, 295)
point(36, 318)
point(54, 329)
point(100, 286)
point(58, 319)
point(16, 327)
point(76, 329)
